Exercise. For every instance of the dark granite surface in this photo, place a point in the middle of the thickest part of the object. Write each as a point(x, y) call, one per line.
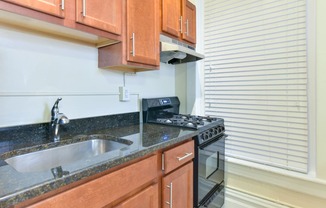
point(16, 187)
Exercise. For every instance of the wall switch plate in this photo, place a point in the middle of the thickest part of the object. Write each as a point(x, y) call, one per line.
point(124, 94)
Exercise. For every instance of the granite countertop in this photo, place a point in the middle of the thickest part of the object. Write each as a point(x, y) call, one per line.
point(16, 187)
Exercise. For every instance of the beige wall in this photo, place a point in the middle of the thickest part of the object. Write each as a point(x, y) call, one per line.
point(321, 89)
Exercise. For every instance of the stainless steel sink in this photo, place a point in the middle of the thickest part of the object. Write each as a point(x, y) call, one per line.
point(43, 160)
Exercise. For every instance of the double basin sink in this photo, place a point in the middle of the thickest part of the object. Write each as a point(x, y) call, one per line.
point(43, 160)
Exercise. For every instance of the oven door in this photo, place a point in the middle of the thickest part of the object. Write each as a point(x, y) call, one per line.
point(211, 170)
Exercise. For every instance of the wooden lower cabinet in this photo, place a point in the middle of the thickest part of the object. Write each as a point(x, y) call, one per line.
point(147, 198)
point(142, 184)
point(104, 191)
point(177, 188)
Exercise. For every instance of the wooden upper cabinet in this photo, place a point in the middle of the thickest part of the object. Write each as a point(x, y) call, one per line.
point(179, 19)
point(142, 35)
point(53, 7)
point(140, 48)
point(171, 17)
point(102, 14)
point(189, 18)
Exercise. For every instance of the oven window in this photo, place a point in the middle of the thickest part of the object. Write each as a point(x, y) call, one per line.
point(210, 167)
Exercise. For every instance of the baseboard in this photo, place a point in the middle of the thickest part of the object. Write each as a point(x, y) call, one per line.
point(238, 199)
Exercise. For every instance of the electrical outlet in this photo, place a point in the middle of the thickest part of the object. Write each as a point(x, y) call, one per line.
point(124, 94)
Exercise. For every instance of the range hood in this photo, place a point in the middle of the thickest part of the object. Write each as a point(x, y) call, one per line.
point(176, 52)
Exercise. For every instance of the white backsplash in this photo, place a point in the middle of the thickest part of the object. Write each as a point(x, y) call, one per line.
point(35, 69)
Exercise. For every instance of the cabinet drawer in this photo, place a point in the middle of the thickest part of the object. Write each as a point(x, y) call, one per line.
point(104, 190)
point(147, 198)
point(177, 156)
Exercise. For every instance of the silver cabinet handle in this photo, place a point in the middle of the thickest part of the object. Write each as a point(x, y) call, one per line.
point(171, 189)
point(132, 52)
point(84, 8)
point(187, 27)
point(180, 24)
point(184, 157)
point(62, 4)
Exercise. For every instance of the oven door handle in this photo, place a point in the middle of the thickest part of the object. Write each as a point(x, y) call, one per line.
point(211, 195)
point(217, 165)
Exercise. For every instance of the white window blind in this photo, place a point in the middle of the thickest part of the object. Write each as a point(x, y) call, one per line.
point(256, 78)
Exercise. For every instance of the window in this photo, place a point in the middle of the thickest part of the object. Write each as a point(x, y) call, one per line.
point(256, 78)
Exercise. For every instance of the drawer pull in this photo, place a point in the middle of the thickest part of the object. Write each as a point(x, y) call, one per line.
point(62, 5)
point(180, 24)
point(184, 157)
point(132, 52)
point(171, 194)
point(84, 8)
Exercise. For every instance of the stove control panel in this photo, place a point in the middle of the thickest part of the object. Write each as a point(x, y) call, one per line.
point(211, 133)
point(165, 101)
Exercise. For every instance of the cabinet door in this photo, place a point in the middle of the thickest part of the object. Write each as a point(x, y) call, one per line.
point(189, 22)
point(102, 14)
point(147, 198)
point(171, 17)
point(54, 7)
point(143, 32)
point(178, 188)
point(102, 191)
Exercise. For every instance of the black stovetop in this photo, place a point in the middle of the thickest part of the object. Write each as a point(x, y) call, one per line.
point(166, 111)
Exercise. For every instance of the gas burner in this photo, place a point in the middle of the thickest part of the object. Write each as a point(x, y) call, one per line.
point(180, 116)
point(163, 120)
point(190, 124)
point(168, 121)
point(207, 118)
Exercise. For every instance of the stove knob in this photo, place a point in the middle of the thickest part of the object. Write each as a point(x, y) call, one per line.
point(206, 137)
point(202, 136)
point(215, 131)
point(210, 135)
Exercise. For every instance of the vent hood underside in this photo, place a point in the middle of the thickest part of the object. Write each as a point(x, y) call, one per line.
point(176, 52)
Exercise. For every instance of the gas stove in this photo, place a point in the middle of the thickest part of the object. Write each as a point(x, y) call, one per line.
point(209, 146)
point(166, 111)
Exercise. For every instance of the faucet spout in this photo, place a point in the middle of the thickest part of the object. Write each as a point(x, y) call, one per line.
point(57, 119)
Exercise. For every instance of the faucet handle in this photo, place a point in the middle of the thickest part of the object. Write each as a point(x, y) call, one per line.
point(55, 109)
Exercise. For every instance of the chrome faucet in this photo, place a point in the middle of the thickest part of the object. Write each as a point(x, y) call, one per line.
point(57, 119)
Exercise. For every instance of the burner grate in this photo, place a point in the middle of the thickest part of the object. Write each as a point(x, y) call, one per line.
point(189, 121)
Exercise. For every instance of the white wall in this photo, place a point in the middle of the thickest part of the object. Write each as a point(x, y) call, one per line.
point(189, 77)
point(36, 68)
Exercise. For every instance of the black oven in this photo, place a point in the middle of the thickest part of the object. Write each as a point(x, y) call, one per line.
point(209, 177)
point(209, 149)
